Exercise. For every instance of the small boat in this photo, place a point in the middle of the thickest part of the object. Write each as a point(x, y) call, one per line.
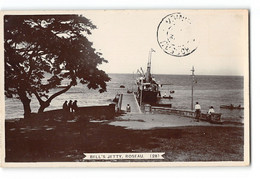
point(172, 91)
point(129, 91)
point(167, 97)
point(122, 86)
point(231, 107)
point(215, 118)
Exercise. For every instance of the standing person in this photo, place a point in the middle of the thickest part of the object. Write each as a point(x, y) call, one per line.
point(197, 111)
point(128, 108)
point(70, 106)
point(74, 106)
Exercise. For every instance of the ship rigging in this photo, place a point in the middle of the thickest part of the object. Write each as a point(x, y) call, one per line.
point(148, 88)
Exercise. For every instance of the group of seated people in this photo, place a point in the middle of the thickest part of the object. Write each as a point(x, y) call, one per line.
point(71, 106)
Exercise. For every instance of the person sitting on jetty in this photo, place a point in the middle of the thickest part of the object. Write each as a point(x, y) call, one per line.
point(211, 110)
point(74, 106)
point(197, 111)
point(128, 108)
point(70, 106)
point(65, 106)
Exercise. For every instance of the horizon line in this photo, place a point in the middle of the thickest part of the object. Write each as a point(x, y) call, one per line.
point(178, 74)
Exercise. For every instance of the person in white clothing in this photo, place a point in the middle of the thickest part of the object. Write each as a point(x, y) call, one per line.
point(197, 111)
point(128, 108)
point(211, 110)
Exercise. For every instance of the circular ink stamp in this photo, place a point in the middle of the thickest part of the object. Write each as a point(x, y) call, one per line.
point(176, 36)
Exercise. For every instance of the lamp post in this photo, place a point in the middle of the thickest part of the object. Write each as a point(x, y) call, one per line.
point(192, 84)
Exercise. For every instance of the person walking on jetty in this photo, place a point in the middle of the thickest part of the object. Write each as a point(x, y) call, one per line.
point(74, 106)
point(128, 108)
point(197, 111)
point(70, 106)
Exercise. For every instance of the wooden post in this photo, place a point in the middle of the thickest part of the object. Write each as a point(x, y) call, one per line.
point(141, 95)
point(120, 102)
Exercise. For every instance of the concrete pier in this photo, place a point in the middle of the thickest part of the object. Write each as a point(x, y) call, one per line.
point(131, 100)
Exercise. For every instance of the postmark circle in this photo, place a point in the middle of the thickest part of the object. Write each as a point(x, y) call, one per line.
point(176, 36)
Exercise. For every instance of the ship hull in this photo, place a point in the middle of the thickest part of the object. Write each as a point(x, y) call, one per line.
point(149, 96)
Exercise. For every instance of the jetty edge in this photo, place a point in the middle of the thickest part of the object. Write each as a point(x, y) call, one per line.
point(123, 99)
point(214, 118)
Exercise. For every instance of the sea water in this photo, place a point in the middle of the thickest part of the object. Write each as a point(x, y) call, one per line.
point(207, 90)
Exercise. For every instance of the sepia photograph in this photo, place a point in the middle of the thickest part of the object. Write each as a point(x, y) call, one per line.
point(131, 88)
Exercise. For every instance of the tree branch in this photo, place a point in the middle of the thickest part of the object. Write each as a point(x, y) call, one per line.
point(38, 97)
point(60, 92)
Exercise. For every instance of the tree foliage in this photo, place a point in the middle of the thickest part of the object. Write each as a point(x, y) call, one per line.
point(36, 45)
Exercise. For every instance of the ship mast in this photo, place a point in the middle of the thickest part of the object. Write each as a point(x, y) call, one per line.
point(148, 71)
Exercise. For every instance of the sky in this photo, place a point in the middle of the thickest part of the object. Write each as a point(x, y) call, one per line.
point(125, 37)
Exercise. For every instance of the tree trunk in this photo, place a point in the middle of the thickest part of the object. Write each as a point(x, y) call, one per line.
point(27, 108)
point(43, 105)
point(26, 103)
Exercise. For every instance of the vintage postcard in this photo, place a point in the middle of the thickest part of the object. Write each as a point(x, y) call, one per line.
point(125, 88)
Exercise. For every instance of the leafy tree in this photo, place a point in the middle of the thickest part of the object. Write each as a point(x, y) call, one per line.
point(55, 47)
